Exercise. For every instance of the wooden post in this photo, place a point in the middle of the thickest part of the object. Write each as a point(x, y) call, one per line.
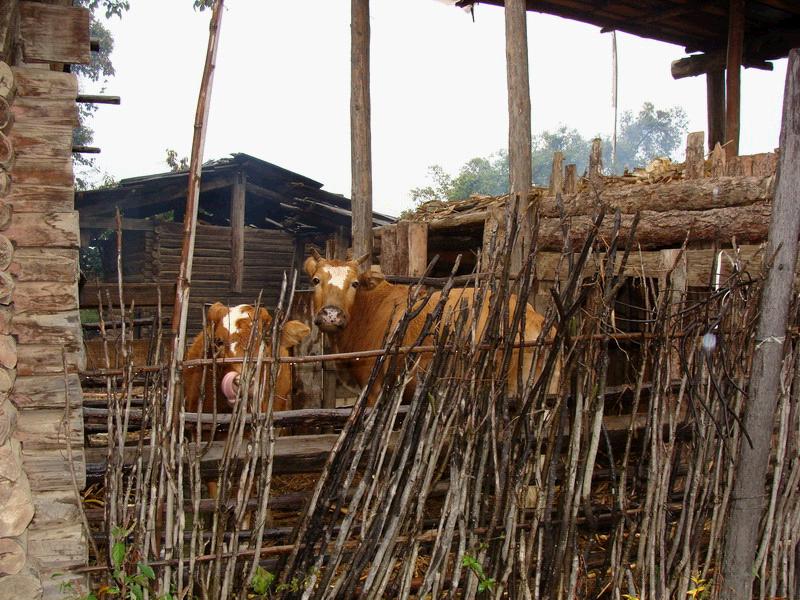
point(748, 494)
point(733, 77)
point(695, 156)
point(557, 173)
point(715, 106)
point(570, 179)
point(360, 132)
point(401, 248)
point(596, 162)
point(389, 249)
point(237, 231)
point(519, 123)
point(417, 248)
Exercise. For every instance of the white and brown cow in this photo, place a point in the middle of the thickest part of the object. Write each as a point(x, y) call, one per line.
point(229, 331)
point(355, 308)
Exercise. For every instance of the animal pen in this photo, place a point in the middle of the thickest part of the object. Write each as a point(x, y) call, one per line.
point(594, 480)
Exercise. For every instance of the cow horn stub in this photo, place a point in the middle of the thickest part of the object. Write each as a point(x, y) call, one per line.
point(362, 258)
point(315, 254)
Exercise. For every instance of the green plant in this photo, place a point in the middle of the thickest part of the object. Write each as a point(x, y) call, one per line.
point(129, 585)
point(485, 584)
point(261, 583)
point(701, 589)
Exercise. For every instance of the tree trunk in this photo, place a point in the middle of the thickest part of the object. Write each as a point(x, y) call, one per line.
point(748, 495)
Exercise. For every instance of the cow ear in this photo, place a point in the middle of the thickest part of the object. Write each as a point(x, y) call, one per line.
point(310, 266)
point(371, 279)
point(263, 318)
point(216, 311)
point(293, 333)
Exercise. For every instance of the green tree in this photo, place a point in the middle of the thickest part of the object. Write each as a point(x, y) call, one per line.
point(100, 68)
point(643, 136)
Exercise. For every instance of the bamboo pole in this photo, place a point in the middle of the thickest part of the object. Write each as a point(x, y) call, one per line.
point(183, 284)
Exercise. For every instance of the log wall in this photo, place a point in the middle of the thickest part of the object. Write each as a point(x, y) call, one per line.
point(41, 424)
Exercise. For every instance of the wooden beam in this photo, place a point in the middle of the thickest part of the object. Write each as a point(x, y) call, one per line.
point(360, 131)
point(101, 223)
point(715, 105)
point(733, 90)
point(700, 64)
point(143, 294)
point(519, 122)
point(237, 231)
point(417, 248)
point(97, 99)
point(54, 34)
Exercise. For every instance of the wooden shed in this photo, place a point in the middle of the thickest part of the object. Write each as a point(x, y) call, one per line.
point(255, 220)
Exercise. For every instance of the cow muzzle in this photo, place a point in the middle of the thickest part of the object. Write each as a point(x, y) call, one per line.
point(331, 319)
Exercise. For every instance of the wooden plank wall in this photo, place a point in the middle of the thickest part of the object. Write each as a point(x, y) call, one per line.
point(41, 422)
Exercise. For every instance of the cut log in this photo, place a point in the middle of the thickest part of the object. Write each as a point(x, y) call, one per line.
point(44, 229)
point(417, 248)
point(24, 584)
point(6, 81)
point(11, 460)
point(46, 392)
point(48, 469)
point(8, 420)
point(7, 154)
point(670, 228)
point(389, 250)
point(59, 546)
point(143, 294)
point(41, 198)
point(6, 252)
point(7, 378)
point(44, 83)
point(5, 214)
point(6, 314)
point(39, 359)
point(8, 351)
point(557, 174)
point(54, 34)
point(718, 160)
point(401, 248)
point(17, 507)
point(41, 140)
point(43, 171)
point(62, 328)
point(46, 296)
point(13, 555)
point(41, 112)
point(56, 507)
point(44, 428)
point(45, 264)
point(5, 183)
point(570, 179)
point(6, 288)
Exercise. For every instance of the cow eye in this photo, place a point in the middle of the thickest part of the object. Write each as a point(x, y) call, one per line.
point(315, 281)
point(355, 284)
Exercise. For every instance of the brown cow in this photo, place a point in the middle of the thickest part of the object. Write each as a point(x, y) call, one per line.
point(229, 331)
point(355, 309)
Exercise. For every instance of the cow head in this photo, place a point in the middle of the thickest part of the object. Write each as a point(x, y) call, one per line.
point(336, 283)
point(230, 332)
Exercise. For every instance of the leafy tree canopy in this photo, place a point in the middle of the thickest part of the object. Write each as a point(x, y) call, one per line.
point(643, 136)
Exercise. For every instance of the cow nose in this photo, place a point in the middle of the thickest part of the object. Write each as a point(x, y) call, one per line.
point(330, 318)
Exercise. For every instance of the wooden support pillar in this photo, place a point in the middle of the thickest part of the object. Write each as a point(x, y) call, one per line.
point(734, 75)
point(360, 132)
point(715, 105)
point(401, 248)
point(570, 179)
point(417, 248)
point(389, 249)
point(237, 231)
point(519, 122)
point(596, 163)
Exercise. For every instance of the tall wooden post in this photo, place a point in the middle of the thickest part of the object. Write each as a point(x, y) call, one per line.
point(715, 106)
point(360, 133)
point(734, 75)
point(519, 122)
point(748, 494)
point(237, 231)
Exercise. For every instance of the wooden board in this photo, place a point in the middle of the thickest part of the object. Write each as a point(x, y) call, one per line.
point(41, 140)
point(143, 294)
point(44, 428)
point(43, 112)
point(58, 546)
point(49, 469)
point(54, 34)
point(46, 392)
point(43, 171)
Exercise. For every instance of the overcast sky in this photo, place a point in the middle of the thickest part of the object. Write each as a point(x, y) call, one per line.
point(282, 87)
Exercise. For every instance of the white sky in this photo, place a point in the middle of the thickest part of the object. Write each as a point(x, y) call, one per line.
point(282, 87)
